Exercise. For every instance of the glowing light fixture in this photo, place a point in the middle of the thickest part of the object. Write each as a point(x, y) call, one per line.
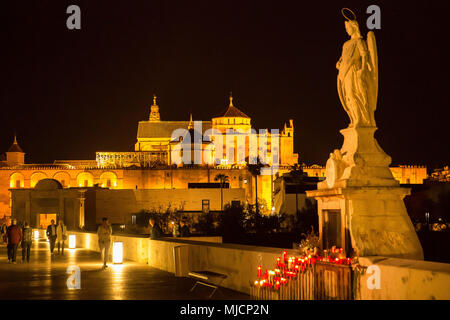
point(118, 252)
point(72, 241)
point(36, 234)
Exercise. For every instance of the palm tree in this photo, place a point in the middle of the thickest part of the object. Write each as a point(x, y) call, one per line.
point(255, 170)
point(223, 179)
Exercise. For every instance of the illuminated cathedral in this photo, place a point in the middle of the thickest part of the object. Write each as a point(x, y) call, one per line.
point(152, 164)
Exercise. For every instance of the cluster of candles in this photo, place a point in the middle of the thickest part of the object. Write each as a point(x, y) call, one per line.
point(337, 256)
point(289, 267)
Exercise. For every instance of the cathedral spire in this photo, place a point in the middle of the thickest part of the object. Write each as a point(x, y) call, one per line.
point(231, 99)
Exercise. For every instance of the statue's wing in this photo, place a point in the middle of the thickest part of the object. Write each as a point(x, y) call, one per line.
point(372, 47)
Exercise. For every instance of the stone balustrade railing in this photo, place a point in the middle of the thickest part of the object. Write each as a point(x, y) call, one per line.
point(398, 278)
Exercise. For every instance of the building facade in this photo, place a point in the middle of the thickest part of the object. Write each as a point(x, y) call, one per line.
point(85, 207)
point(157, 164)
point(152, 165)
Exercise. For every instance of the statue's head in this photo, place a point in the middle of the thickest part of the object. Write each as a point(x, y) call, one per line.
point(352, 28)
point(351, 25)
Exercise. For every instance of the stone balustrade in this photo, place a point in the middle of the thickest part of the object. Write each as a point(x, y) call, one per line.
point(399, 278)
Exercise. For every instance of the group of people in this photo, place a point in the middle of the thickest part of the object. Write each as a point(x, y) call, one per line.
point(14, 236)
point(178, 230)
point(57, 234)
point(181, 229)
point(22, 235)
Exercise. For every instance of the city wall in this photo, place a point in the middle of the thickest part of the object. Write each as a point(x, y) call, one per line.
point(138, 179)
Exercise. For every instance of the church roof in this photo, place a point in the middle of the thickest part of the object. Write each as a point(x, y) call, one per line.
point(234, 112)
point(15, 147)
point(164, 129)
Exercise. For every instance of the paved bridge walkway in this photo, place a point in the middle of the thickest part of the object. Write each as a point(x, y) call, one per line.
point(45, 277)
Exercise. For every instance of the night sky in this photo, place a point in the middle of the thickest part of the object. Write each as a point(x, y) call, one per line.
point(69, 93)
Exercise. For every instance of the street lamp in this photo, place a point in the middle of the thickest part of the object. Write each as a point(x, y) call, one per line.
point(118, 252)
point(72, 241)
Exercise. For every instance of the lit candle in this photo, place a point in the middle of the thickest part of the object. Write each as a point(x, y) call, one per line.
point(271, 276)
point(284, 256)
point(259, 271)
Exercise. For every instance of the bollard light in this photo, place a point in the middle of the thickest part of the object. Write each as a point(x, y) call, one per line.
point(117, 252)
point(72, 241)
point(36, 234)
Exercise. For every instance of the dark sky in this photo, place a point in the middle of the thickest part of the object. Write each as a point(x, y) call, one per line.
point(68, 94)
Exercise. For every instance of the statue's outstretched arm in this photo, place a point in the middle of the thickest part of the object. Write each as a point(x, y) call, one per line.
point(338, 64)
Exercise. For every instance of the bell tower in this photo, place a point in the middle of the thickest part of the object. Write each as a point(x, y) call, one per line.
point(154, 111)
point(15, 155)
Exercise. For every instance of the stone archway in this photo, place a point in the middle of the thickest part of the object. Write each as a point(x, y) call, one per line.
point(17, 180)
point(85, 179)
point(36, 177)
point(64, 178)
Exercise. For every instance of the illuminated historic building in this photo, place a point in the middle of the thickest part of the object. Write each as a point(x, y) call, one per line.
point(403, 174)
point(156, 140)
point(151, 164)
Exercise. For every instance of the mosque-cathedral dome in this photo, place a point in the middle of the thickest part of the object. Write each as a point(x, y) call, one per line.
point(233, 118)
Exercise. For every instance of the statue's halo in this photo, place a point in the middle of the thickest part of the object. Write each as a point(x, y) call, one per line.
point(343, 13)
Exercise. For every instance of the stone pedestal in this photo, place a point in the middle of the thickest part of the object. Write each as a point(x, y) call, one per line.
point(360, 204)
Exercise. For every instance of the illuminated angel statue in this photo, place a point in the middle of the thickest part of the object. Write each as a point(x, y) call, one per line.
point(357, 81)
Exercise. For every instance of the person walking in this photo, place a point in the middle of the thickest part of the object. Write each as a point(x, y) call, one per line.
point(61, 236)
point(14, 237)
point(184, 229)
point(104, 233)
point(156, 231)
point(26, 242)
point(51, 235)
